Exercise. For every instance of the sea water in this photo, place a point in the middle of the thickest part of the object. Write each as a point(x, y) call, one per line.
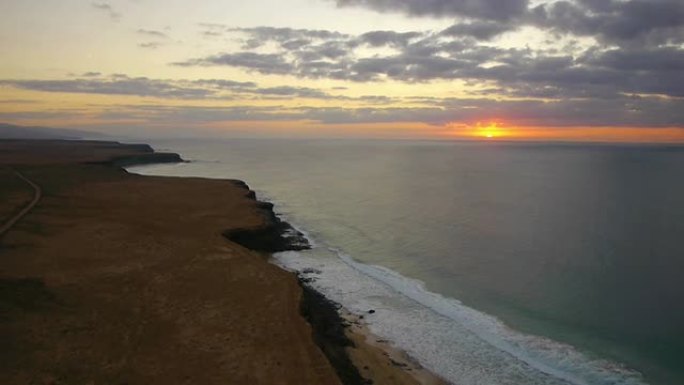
point(489, 263)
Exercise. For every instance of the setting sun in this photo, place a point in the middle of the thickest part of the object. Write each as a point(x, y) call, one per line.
point(489, 130)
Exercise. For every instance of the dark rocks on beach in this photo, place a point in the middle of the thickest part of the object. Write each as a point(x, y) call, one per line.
point(275, 236)
point(329, 334)
point(306, 279)
point(371, 311)
point(398, 364)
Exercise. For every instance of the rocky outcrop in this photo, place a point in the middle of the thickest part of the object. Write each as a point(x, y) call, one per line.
point(274, 236)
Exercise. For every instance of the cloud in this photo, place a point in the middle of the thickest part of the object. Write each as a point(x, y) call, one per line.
point(610, 21)
point(225, 84)
point(615, 21)
point(632, 111)
point(480, 9)
point(211, 30)
point(388, 38)
point(263, 63)
point(201, 89)
point(152, 33)
point(480, 30)
point(458, 53)
point(257, 36)
point(150, 45)
point(107, 9)
point(626, 112)
point(116, 85)
point(302, 92)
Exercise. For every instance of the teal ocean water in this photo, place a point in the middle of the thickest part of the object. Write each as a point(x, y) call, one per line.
point(490, 263)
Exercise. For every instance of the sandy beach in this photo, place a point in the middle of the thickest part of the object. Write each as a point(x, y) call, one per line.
point(123, 279)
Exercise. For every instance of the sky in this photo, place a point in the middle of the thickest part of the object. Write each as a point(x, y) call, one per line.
point(580, 70)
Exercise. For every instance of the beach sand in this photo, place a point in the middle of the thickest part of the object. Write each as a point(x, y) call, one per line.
point(117, 278)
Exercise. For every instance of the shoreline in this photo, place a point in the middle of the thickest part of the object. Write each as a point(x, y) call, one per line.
point(358, 356)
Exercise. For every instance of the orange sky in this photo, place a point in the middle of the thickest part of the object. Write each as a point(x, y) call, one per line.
point(311, 68)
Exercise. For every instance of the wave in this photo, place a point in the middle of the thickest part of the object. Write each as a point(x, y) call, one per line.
point(462, 344)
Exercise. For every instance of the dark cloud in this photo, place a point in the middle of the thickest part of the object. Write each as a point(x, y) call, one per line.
point(660, 59)
point(287, 34)
point(140, 86)
point(388, 38)
point(263, 63)
point(610, 21)
point(615, 21)
point(407, 68)
point(195, 114)
point(302, 92)
point(107, 9)
point(457, 54)
point(286, 38)
point(202, 89)
point(481, 9)
point(226, 84)
point(481, 30)
point(118, 85)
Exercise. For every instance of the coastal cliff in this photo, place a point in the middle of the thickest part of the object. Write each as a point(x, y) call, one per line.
point(115, 277)
point(120, 278)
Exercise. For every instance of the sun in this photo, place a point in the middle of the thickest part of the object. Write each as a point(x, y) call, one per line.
point(488, 130)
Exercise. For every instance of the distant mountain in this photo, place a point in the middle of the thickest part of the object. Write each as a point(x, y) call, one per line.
point(10, 131)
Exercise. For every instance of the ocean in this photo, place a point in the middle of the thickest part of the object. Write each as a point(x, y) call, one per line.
point(488, 262)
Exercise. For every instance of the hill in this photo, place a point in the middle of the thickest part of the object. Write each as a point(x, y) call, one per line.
point(10, 131)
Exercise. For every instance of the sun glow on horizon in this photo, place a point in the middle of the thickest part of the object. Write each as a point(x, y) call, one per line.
point(489, 130)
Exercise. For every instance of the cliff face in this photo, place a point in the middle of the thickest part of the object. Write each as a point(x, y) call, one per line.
point(275, 235)
point(122, 278)
point(272, 236)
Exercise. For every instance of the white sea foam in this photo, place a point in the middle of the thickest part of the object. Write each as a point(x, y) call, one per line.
point(461, 344)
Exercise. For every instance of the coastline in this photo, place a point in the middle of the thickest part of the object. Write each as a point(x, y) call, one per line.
point(457, 340)
point(358, 356)
point(90, 191)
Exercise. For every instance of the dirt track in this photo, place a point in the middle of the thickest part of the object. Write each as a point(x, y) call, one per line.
point(37, 194)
